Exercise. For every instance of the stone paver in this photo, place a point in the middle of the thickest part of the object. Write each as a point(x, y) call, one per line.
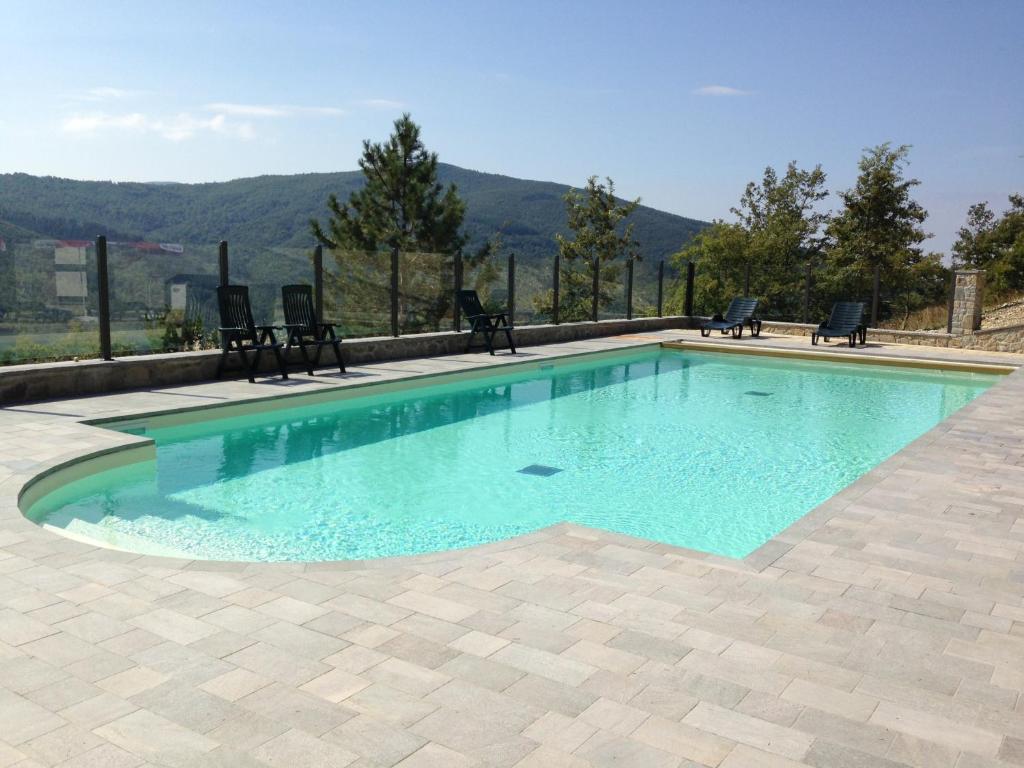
point(884, 629)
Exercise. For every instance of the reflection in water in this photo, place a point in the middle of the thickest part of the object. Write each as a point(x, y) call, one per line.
point(666, 446)
point(245, 450)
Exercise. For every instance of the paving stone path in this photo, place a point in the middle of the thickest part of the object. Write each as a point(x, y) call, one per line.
point(884, 629)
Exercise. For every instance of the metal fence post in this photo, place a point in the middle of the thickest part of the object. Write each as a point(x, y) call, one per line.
point(807, 295)
point(222, 263)
point(875, 289)
point(952, 299)
point(661, 286)
point(688, 302)
point(394, 291)
point(629, 289)
point(318, 281)
point(746, 279)
point(595, 289)
point(554, 292)
point(103, 280)
point(511, 289)
point(456, 309)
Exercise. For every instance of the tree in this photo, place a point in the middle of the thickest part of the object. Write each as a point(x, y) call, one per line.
point(879, 226)
point(995, 245)
point(402, 204)
point(778, 230)
point(403, 208)
point(599, 235)
point(721, 251)
point(786, 230)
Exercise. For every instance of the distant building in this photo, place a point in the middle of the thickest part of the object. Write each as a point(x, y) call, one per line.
point(195, 296)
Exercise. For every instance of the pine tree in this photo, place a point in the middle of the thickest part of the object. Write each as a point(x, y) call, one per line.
point(402, 205)
point(403, 208)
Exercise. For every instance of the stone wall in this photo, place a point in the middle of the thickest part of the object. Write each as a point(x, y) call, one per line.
point(1008, 339)
point(881, 335)
point(45, 381)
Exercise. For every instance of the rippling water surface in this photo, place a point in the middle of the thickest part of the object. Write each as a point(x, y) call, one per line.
point(713, 452)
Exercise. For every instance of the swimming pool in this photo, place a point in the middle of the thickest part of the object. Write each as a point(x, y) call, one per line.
point(715, 452)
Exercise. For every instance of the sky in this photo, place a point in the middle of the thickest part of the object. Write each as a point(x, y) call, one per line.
point(681, 103)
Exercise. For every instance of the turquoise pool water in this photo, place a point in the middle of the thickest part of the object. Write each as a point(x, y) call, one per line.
point(717, 452)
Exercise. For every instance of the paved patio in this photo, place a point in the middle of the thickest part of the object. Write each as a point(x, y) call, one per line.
point(886, 628)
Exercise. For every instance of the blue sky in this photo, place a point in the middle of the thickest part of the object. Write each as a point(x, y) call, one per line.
point(681, 103)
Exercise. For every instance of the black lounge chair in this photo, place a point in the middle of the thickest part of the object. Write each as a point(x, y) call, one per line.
point(239, 332)
point(740, 312)
point(304, 327)
point(847, 319)
point(483, 323)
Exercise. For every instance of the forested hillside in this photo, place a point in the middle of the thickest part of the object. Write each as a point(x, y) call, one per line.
point(275, 210)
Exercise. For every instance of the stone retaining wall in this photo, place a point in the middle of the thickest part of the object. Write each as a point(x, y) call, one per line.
point(45, 381)
point(881, 335)
point(1010, 339)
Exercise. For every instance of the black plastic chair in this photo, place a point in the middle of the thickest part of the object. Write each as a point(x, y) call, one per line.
point(488, 325)
point(239, 332)
point(847, 319)
point(305, 329)
point(741, 312)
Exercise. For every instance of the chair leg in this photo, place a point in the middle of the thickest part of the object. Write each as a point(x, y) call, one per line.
point(814, 339)
point(253, 366)
point(853, 339)
point(282, 366)
point(705, 332)
point(305, 357)
point(489, 338)
point(337, 353)
point(511, 344)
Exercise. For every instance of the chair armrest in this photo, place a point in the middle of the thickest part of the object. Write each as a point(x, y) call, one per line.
point(227, 330)
point(269, 327)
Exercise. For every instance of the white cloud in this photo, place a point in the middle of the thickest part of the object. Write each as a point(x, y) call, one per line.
point(269, 110)
point(105, 93)
point(99, 120)
point(720, 90)
point(176, 128)
point(382, 103)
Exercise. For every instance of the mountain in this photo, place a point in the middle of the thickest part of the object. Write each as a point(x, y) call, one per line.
point(273, 211)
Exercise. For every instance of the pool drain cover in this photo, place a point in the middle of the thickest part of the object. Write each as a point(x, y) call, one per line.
point(540, 469)
point(755, 393)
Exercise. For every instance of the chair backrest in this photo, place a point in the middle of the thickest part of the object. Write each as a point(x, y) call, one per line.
point(235, 311)
point(298, 306)
point(470, 303)
point(846, 315)
point(741, 308)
